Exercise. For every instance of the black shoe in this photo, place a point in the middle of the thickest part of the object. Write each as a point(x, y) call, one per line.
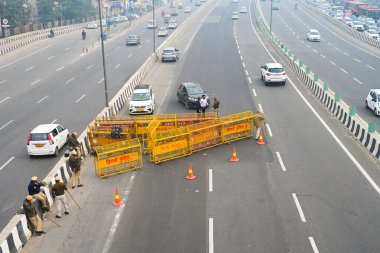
point(57, 216)
point(80, 185)
point(73, 187)
point(67, 213)
point(37, 233)
point(42, 232)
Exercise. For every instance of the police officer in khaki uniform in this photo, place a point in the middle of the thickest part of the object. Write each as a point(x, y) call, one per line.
point(75, 163)
point(32, 216)
point(59, 189)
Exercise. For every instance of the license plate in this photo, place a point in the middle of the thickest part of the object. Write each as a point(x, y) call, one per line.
point(140, 110)
point(39, 145)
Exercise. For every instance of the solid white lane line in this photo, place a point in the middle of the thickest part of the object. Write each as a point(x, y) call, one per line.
point(30, 68)
point(313, 245)
point(210, 187)
point(51, 57)
point(130, 55)
point(269, 130)
point(42, 99)
point(35, 82)
point(53, 121)
point(9, 122)
point(281, 162)
point(92, 65)
point(66, 49)
point(243, 64)
point(101, 80)
point(333, 63)
point(343, 70)
point(211, 235)
point(68, 81)
point(254, 92)
point(60, 68)
point(79, 99)
point(324, 57)
point(261, 109)
point(119, 214)
point(3, 81)
point(4, 99)
point(249, 80)
point(118, 65)
point(5, 164)
point(357, 80)
point(299, 207)
point(246, 72)
point(357, 60)
point(346, 54)
point(371, 67)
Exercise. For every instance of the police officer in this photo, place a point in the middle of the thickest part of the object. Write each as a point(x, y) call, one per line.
point(75, 163)
point(72, 140)
point(32, 216)
point(34, 189)
point(59, 189)
point(216, 106)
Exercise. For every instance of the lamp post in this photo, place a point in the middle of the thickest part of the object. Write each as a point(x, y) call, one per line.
point(2, 5)
point(271, 10)
point(154, 30)
point(103, 57)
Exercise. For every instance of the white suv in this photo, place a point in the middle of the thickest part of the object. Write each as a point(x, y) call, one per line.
point(313, 35)
point(46, 139)
point(373, 101)
point(142, 100)
point(273, 73)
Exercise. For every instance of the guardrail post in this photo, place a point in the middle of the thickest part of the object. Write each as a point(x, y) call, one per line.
point(325, 86)
point(371, 127)
point(316, 77)
point(337, 97)
point(352, 110)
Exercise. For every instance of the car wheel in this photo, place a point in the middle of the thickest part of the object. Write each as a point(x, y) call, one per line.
point(375, 112)
point(283, 83)
point(265, 82)
point(262, 77)
point(56, 151)
point(187, 105)
point(366, 104)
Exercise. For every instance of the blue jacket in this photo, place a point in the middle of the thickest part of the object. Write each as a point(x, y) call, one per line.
point(34, 187)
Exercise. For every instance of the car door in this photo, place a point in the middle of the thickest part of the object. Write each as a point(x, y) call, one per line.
point(371, 103)
point(55, 136)
point(180, 93)
point(61, 137)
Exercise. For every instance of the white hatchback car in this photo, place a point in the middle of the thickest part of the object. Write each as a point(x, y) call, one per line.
point(313, 35)
point(46, 139)
point(273, 73)
point(373, 101)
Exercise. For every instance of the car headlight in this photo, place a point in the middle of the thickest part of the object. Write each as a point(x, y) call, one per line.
point(193, 99)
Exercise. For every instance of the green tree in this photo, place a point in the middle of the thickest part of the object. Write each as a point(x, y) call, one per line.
point(17, 12)
point(47, 10)
point(52, 10)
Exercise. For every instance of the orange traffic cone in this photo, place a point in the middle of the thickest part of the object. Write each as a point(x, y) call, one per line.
point(260, 141)
point(117, 201)
point(190, 174)
point(234, 157)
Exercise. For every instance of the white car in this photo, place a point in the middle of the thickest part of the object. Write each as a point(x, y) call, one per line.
point(358, 26)
point(180, 5)
point(152, 24)
point(142, 100)
point(273, 73)
point(172, 24)
point(235, 15)
point(313, 35)
point(92, 25)
point(373, 101)
point(243, 9)
point(187, 10)
point(372, 33)
point(162, 31)
point(338, 17)
point(46, 139)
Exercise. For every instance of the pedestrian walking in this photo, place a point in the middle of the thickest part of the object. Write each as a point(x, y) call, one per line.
point(75, 163)
point(34, 189)
point(216, 106)
point(198, 107)
point(59, 189)
point(31, 214)
point(204, 104)
point(258, 121)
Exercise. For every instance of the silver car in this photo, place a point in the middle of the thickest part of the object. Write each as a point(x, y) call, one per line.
point(170, 54)
point(132, 40)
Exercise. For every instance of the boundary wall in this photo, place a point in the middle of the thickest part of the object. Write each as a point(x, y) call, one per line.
point(360, 129)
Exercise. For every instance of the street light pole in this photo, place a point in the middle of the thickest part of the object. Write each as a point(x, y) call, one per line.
point(154, 30)
point(271, 10)
point(103, 57)
point(1, 18)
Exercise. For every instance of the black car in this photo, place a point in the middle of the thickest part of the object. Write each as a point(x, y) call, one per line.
point(189, 92)
point(132, 40)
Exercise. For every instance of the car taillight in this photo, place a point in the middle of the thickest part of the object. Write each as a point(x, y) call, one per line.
point(29, 139)
point(50, 139)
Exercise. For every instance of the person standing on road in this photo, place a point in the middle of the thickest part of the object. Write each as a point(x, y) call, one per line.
point(258, 120)
point(198, 107)
point(34, 189)
point(204, 104)
point(216, 106)
point(32, 216)
point(75, 163)
point(59, 189)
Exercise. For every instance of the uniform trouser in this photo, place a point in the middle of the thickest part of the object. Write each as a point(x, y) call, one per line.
point(76, 177)
point(216, 112)
point(41, 197)
point(36, 222)
point(61, 200)
point(258, 130)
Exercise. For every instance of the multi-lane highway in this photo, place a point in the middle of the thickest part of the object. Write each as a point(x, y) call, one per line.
point(311, 188)
point(54, 81)
point(347, 64)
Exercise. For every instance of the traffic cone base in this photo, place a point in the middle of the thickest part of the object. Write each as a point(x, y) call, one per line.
point(190, 174)
point(117, 201)
point(261, 141)
point(234, 157)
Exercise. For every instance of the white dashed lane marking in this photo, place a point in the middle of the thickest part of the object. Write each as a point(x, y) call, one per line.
point(92, 65)
point(357, 80)
point(35, 82)
point(357, 60)
point(254, 92)
point(53, 121)
point(246, 72)
point(51, 57)
point(60, 68)
point(7, 162)
point(315, 50)
point(346, 54)
point(67, 49)
point(42, 99)
point(5, 99)
point(313, 245)
point(3, 81)
point(69, 81)
point(249, 80)
point(333, 63)
point(343, 70)
point(302, 216)
point(269, 130)
point(371, 67)
point(8, 123)
point(130, 55)
point(118, 65)
point(324, 57)
point(280, 161)
point(261, 109)
point(101, 80)
point(210, 186)
point(79, 99)
point(30, 68)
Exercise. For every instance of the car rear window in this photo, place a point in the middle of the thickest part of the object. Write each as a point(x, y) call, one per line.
point(276, 70)
point(168, 51)
point(39, 137)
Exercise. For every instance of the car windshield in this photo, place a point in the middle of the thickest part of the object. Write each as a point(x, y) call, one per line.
point(39, 137)
point(276, 70)
point(314, 33)
point(140, 96)
point(131, 37)
point(194, 90)
point(162, 29)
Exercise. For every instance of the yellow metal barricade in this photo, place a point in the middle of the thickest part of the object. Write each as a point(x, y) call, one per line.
point(205, 135)
point(151, 130)
point(237, 126)
point(117, 158)
point(103, 137)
